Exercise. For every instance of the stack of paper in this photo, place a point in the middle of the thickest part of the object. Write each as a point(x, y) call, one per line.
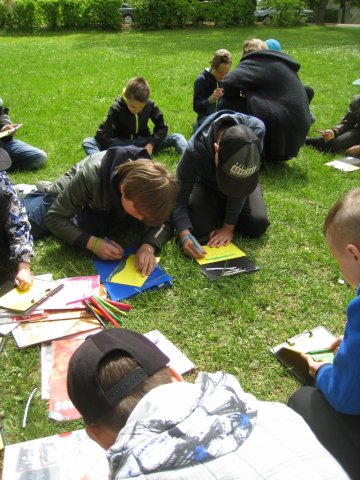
point(69, 455)
point(347, 164)
point(55, 358)
point(48, 310)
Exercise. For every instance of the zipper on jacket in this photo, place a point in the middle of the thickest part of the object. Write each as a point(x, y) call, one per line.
point(216, 102)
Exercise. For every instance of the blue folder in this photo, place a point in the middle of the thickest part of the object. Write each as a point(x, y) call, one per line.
point(118, 291)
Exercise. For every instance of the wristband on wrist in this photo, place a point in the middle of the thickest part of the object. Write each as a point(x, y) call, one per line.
point(194, 241)
point(94, 247)
point(182, 240)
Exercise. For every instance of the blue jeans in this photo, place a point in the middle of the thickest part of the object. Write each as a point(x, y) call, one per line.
point(23, 155)
point(37, 206)
point(175, 140)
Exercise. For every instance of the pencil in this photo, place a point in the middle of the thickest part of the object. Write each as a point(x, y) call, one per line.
point(92, 310)
point(104, 312)
point(324, 350)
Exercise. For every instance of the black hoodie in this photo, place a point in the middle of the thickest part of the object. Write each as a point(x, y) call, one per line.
point(275, 94)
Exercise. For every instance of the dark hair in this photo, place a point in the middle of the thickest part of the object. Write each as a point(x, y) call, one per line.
point(151, 187)
point(113, 368)
point(138, 89)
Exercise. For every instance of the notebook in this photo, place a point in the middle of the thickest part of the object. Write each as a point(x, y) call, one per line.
point(225, 261)
point(119, 291)
point(288, 352)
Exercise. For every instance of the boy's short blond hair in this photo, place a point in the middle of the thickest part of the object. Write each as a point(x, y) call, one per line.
point(151, 187)
point(342, 223)
point(253, 44)
point(137, 88)
point(221, 56)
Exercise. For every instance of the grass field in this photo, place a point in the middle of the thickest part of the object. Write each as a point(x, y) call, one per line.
point(61, 85)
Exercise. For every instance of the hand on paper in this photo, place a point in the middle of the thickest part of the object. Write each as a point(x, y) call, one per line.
point(354, 150)
point(313, 365)
point(24, 277)
point(221, 236)
point(145, 260)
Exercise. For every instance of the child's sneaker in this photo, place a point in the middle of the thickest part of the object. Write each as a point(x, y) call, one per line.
point(43, 186)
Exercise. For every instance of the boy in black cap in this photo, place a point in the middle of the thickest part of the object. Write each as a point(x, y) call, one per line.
point(158, 427)
point(16, 243)
point(218, 175)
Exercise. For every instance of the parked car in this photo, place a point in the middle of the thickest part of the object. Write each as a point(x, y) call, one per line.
point(127, 13)
point(265, 14)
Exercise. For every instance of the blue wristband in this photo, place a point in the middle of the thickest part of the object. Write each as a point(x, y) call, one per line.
point(184, 238)
point(194, 241)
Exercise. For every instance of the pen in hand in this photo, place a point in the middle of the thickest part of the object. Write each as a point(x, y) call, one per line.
point(194, 241)
point(318, 352)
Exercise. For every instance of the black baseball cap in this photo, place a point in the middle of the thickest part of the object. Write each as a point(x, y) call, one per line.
point(82, 379)
point(5, 160)
point(237, 173)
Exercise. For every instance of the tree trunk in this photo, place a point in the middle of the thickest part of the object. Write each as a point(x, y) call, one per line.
point(321, 12)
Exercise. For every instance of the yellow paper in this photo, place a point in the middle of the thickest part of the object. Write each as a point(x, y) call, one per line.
point(127, 273)
point(22, 300)
point(217, 254)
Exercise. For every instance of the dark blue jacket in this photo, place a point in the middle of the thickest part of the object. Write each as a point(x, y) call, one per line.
point(204, 86)
point(197, 164)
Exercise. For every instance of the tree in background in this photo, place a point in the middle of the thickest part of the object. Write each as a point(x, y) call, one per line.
point(319, 6)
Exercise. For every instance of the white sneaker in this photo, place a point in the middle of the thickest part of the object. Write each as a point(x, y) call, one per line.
point(23, 189)
point(43, 186)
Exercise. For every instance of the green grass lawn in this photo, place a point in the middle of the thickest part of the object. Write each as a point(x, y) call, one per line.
point(61, 85)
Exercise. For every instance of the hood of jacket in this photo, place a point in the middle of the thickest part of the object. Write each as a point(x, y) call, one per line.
point(271, 54)
point(182, 424)
point(113, 158)
point(205, 135)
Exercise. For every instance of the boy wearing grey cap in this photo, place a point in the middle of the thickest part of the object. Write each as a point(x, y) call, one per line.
point(218, 177)
point(158, 427)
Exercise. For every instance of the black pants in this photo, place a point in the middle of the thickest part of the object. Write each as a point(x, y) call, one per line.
point(339, 144)
point(339, 433)
point(207, 212)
